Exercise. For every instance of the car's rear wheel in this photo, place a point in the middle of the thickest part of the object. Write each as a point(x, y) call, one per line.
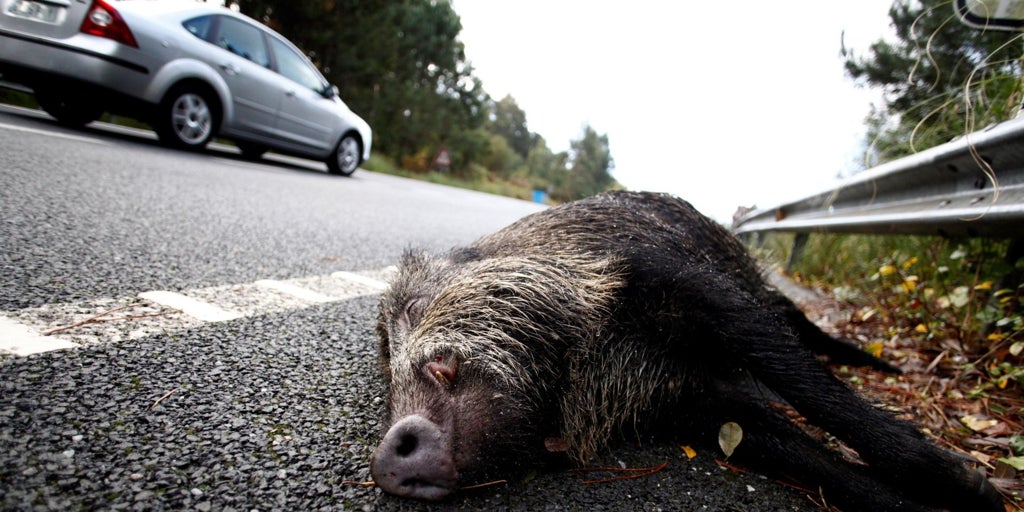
point(187, 118)
point(346, 157)
point(69, 110)
point(250, 150)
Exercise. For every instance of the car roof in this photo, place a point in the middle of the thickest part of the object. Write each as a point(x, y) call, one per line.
point(185, 9)
point(160, 7)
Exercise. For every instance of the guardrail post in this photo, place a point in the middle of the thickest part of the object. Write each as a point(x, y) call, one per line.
point(1013, 277)
point(799, 243)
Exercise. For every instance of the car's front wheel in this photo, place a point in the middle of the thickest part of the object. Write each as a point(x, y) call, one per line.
point(68, 109)
point(346, 157)
point(187, 118)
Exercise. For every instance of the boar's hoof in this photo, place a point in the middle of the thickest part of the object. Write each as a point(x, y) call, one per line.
point(414, 460)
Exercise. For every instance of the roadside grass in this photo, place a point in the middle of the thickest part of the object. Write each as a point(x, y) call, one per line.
point(17, 98)
point(931, 289)
point(950, 313)
point(482, 182)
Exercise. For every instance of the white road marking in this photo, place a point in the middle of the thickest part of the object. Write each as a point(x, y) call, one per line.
point(109, 320)
point(361, 279)
point(295, 291)
point(194, 308)
point(22, 341)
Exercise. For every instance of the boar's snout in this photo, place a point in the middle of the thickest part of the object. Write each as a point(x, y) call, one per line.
point(414, 460)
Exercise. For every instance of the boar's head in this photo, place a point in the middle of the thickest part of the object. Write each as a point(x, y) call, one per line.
point(473, 350)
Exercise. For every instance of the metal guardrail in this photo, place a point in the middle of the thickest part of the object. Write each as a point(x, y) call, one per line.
point(13, 86)
point(971, 186)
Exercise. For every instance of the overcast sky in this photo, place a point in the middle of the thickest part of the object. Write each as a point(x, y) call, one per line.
point(722, 103)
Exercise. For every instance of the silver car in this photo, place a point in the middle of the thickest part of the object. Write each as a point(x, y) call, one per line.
point(192, 70)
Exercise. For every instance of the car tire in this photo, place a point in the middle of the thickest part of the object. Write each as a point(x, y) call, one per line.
point(71, 111)
point(250, 150)
point(187, 118)
point(346, 157)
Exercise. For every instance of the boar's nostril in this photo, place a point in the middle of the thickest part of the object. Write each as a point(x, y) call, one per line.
point(407, 445)
point(415, 460)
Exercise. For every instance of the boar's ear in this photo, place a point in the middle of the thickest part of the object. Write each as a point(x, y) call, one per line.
point(464, 255)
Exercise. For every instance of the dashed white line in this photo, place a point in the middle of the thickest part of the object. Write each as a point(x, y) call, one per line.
point(194, 308)
point(295, 291)
point(22, 341)
point(94, 321)
point(356, 278)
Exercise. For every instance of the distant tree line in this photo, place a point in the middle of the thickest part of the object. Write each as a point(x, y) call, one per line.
point(400, 65)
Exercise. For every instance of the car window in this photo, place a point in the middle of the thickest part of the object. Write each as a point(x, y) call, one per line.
point(243, 39)
point(295, 67)
point(199, 27)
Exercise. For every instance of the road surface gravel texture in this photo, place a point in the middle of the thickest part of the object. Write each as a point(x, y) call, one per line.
point(267, 412)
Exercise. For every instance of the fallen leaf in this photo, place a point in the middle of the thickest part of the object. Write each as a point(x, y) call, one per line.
point(978, 423)
point(875, 348)
point(690, 452)
point(866, 313)
point(1003, 470)
point(909, 284)
point(1016, 462)
point(983, 458)
point(729, 437)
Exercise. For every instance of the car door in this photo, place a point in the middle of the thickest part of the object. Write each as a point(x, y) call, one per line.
point(244, 63)
point(308, 115)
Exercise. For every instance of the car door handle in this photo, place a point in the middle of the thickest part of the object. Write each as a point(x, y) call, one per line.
point(231, 69)
point(290, 94)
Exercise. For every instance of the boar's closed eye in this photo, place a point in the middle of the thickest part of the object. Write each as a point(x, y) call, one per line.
point(412, 313)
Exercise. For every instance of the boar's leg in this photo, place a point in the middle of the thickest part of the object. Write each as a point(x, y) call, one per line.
point(773, 445)
point(761, 342)
point(414, 460)
point(838, 350)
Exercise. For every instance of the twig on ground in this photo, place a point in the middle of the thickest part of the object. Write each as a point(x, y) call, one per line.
point(633, 473)
point(92, 319)
point(370, 483)
point(161, 399)
point(485, 484)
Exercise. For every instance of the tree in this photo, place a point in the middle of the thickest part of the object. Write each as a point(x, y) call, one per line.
point(589, 168)
point(546, 169)
point(940, 78)
point(398, 63)
point(509, 121)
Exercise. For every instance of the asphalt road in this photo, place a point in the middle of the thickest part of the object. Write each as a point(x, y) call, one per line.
point(272, 407)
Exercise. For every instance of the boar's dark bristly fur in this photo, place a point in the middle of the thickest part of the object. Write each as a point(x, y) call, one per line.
point(625, 314)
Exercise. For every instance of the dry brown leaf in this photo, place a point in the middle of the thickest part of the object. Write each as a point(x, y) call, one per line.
point(729, 437)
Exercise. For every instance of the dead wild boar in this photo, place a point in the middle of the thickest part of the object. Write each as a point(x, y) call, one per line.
point(629, 313)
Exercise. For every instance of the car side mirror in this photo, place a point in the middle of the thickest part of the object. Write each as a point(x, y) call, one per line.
point(330, 92)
